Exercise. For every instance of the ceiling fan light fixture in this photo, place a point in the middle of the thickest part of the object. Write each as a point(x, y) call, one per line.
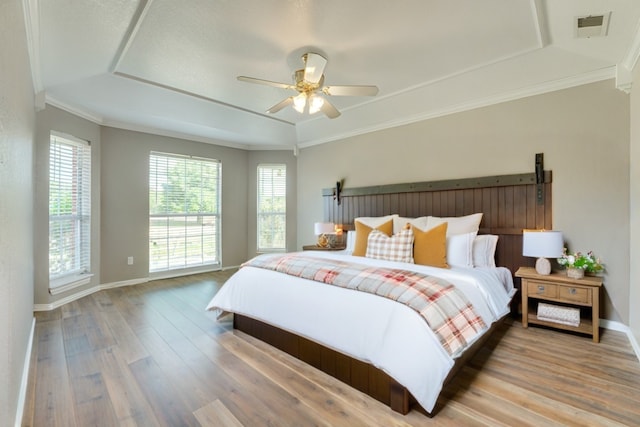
point(299, 102)
point(309, 83)
point(315, 104)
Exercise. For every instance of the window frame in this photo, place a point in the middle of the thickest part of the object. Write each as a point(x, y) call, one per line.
point(201, 219)
point(281, 213)
point(78, 189)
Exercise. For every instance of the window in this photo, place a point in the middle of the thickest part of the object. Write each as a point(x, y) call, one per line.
point(272, 207)
point(184, 212)
point(69, 210)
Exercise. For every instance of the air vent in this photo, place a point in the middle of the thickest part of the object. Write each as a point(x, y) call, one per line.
point(592, 25)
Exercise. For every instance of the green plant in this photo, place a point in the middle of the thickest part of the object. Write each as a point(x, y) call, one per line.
point(588, 262)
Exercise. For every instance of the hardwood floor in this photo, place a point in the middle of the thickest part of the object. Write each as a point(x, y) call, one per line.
point(150, 355)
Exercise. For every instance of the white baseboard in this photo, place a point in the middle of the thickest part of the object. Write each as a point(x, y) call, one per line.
point(94, 289)
point(85, 292)
point(620, 327)
point(22, 397)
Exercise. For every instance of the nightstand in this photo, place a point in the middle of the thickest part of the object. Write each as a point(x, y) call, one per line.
point(567, 292)
point(319, 248)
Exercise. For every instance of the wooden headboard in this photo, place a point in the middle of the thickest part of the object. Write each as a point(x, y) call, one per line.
point(509, 203)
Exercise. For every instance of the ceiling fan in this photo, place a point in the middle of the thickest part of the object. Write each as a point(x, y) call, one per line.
point(309, 84)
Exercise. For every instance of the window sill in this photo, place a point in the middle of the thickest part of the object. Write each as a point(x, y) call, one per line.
point(65, 284)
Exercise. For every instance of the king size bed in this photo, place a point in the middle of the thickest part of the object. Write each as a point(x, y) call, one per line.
point(394, 325)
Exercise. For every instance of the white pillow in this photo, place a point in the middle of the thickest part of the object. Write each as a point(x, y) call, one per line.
point(484, 250)
point(374, 221)
point(400, 221)
point(457, 224)
point(398, 247)
point(351, 240)
point(459, 250)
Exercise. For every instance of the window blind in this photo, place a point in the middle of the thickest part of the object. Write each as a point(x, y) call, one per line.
point(69, 207)
point(272, 207)
point(184, 211)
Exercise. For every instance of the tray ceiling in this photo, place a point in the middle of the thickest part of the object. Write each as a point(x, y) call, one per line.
point(170, 67)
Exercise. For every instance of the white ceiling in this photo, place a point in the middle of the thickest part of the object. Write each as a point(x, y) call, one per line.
point(170, 66)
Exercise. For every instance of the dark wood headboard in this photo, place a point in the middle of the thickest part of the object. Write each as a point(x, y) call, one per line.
point(509, 203)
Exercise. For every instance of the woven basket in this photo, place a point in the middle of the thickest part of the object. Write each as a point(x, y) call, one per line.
point(575, 273)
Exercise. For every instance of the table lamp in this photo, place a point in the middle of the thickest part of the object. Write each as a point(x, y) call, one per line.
point(542, 244)
point(321, 230)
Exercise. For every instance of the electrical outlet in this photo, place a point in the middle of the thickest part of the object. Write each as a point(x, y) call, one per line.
point(130, 260)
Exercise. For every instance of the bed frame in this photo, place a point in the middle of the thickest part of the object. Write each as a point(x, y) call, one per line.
point(509, 203)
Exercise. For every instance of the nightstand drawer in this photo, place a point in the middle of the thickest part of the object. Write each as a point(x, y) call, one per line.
point(572, 294)
point(542, 289)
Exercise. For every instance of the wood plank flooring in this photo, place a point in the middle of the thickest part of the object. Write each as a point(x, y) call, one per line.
point(150, 355)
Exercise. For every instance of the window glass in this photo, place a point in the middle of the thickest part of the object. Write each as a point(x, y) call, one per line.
point(272, 207)
point(184, 212)
point(69, 208)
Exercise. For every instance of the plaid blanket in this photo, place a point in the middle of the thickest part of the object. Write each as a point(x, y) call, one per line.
point(445, 309)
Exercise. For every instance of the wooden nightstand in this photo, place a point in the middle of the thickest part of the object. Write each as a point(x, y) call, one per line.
point(558, 288)
point(319, 248)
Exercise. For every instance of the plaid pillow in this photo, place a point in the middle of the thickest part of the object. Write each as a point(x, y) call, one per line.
point(398, 247)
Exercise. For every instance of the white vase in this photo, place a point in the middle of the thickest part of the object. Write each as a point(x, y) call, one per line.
point(575, 273)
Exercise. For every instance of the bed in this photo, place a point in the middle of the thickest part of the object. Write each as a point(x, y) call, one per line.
point(376, 344)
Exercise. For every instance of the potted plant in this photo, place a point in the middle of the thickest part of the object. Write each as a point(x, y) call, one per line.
point(579, 263)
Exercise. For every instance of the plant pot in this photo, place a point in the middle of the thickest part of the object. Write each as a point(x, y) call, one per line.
point(575, 273)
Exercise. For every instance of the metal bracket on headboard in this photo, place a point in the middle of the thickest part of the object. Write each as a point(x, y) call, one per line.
point(337, 190)
point(539, 168)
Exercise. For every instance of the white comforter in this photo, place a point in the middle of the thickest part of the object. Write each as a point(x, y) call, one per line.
point(387, 334)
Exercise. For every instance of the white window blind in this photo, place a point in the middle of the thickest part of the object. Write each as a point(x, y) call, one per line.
point(69, 209)
point(184, 212)
point(272, 207)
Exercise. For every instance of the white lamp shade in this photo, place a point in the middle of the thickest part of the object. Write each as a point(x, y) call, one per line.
point(542, 243)
point(324, 228)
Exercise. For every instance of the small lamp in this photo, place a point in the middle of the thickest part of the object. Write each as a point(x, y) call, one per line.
point(321, 230)
point(542, 244)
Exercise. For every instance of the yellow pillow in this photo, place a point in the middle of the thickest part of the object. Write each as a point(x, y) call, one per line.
point(430, 247)
point(362, 235)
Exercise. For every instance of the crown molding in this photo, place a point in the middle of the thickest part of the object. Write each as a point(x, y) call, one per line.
point(631, 58)
point(31, 10)
point(173, 134)
point(73, 110)
point(512, 95)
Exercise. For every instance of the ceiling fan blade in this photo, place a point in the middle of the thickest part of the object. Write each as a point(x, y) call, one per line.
point(265, 82)
point(350, 90)
point(329, 110)
point(280, 105)
point(314, 67)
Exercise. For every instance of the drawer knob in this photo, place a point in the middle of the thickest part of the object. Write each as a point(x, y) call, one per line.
point(572, 291)
point(540, 288)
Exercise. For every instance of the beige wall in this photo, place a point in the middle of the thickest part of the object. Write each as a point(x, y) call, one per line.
point(256, 158)
point(17, 124)
point(634, 211)
point(125, 203)
point(583, 133)
point(120, 198)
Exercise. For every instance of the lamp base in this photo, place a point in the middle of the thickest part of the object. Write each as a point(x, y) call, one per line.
point(543, 266)
point(323, 241)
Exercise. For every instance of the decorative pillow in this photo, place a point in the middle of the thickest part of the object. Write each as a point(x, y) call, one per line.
point(398, 247)
point(362, 235)
point(430, 246)
point(484, 250)
point(457, 224)
point(399, 222)
point(459, 250)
